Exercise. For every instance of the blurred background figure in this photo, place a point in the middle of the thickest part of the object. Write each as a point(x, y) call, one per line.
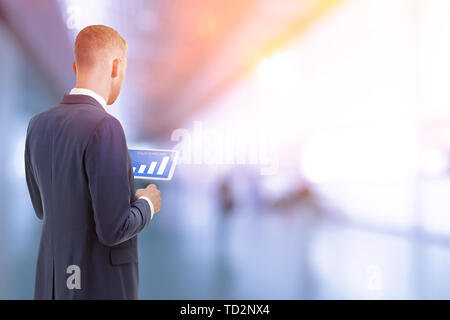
point(225, 197)
point(314, 139)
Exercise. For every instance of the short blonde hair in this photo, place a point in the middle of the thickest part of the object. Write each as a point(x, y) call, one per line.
point(94, 39)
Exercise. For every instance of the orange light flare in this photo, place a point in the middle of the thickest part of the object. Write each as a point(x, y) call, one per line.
point(314, 11)
point(207, 25)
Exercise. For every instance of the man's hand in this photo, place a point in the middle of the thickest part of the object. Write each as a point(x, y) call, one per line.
point(153, 194)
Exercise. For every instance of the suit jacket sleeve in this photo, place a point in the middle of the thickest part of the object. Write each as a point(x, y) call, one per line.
point(106, 164)
point(33, 187)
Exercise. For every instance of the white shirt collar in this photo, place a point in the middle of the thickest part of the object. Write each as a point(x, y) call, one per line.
point(90, 93)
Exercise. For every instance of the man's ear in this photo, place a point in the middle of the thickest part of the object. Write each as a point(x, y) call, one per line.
point(74, 66)
point(115, 68)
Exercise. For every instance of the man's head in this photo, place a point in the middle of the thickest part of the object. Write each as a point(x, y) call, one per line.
point(100, 61)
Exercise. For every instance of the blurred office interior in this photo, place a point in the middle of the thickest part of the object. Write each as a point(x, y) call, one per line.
point(314, 137)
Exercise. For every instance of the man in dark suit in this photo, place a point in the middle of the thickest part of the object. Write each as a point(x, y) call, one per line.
point(81, 182)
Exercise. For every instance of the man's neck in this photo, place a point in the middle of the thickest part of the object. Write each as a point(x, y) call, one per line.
point(94, 84)
point(90, 93)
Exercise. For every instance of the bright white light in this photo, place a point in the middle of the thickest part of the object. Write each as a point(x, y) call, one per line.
point(434, 162)
point(17, 160)
point(362, 154)
point(280, 72)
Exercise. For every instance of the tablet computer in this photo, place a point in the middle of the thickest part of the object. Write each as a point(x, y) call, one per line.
point(153, 164)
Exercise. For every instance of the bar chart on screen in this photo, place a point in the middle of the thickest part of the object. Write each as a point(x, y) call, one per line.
point(153, 164)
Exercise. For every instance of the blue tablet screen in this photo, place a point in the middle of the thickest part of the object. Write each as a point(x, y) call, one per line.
point(153, 163)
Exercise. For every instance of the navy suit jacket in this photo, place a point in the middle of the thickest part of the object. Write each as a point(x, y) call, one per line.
point(81, 183)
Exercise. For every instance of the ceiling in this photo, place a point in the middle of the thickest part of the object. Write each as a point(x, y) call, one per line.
point(182, 53)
